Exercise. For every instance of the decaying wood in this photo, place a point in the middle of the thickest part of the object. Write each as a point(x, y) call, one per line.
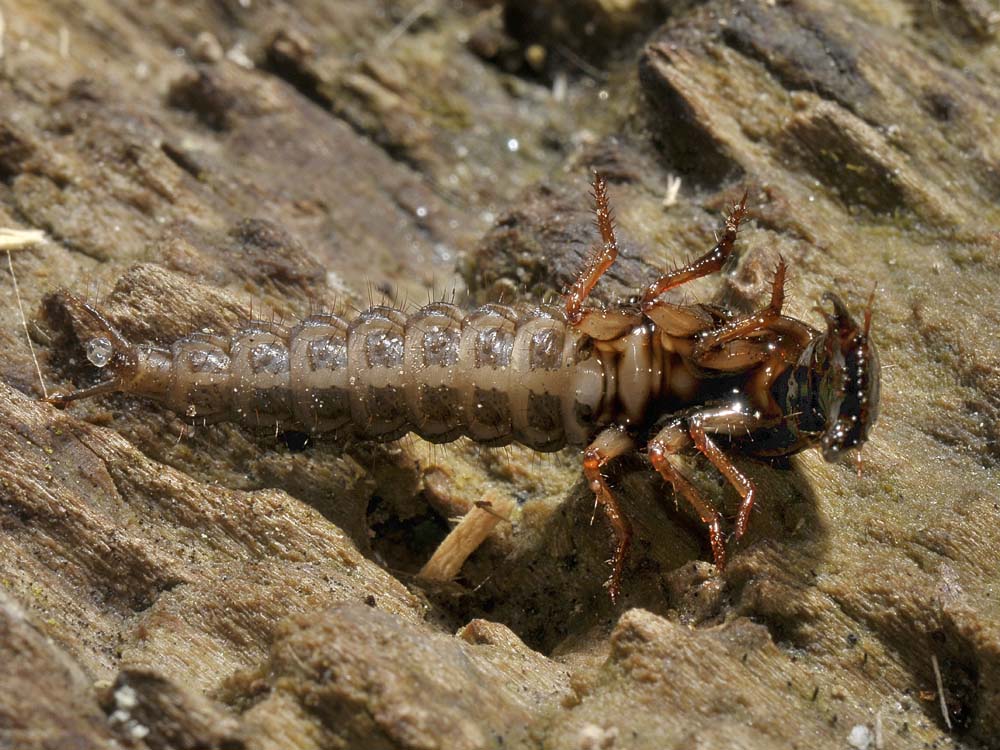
point(176, 588)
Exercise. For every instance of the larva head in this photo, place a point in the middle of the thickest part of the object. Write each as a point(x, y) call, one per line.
point(847, 365)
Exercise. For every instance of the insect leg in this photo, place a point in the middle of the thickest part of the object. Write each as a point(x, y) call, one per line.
point(710, 262)
point(608, 445)
point(694, 430)
point(679, 321)
point(726, 421)
point(663, 449)
point(598, 324)
point(602, 260)
point(747, 324)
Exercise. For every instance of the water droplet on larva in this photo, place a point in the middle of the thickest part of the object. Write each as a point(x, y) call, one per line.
point(99, 351)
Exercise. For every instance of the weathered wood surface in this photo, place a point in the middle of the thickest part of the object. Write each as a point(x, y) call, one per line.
point(164, 587)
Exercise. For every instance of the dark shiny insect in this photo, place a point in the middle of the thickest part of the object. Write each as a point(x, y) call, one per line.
point(674, 378)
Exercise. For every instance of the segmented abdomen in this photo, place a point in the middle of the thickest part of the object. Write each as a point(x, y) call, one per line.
point(496, 375)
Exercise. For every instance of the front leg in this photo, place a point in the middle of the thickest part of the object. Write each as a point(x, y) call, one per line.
point(663, 451)
point(693, 430)
point(747, 325)
point(726, 421)
point(731, 347)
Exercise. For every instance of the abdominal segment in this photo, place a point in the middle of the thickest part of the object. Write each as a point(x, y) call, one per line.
point(496, 375)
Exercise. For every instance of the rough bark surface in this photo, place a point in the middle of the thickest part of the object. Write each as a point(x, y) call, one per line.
point(170, 587)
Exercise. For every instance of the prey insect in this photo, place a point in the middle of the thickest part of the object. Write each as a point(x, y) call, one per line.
point(674, 378)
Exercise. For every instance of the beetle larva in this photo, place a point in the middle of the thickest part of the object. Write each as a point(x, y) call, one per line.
point(676, 378)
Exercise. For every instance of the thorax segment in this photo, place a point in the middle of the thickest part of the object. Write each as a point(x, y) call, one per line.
point(641, 377)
